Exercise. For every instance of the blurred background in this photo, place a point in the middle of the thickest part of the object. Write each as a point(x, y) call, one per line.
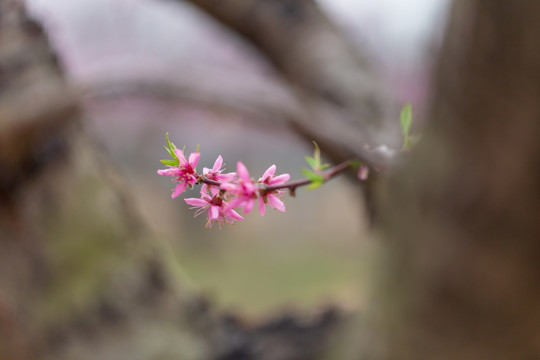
point(319, 251)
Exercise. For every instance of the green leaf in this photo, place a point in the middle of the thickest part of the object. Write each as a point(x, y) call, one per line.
point(317, 153)
point(314, 185)
point(405, 120)
point(314, 177)
point(317, 157)
point(355, 164)
point(311, 162)
point(171, 148)
point(170, 162)
point(324, 166)
point(173, 155)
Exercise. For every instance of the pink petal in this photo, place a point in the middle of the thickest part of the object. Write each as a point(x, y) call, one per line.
point(191, 179)
point(248, 206)
point(226, 177)
point(281, 179)
point(228, 187)
point(249, 188)
point(194, 159)
point(233, 214)
point(180, 155)
point(242, 171)
point(276, 203)
point(262, 206)
point(218, 164)
point(213, 212)
point(234, 203)
point(180, 188)
point(269, 172)
point(363, 172)
point(196, 202)
point(167, 172)
point(214, 190)
point(204, 188)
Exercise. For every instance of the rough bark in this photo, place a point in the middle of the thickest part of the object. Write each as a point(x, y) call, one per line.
point(462, 218)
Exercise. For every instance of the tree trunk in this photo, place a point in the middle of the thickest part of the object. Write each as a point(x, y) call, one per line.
point(462, 218)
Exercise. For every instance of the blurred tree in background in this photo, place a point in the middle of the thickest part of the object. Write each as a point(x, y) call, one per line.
point(83, 275)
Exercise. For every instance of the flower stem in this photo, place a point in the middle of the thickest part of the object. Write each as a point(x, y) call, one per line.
point(292, 185)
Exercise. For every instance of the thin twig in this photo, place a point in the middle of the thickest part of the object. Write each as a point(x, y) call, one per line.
point(292, 185)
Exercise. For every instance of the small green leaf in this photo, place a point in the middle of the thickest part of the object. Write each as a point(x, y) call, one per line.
point(311, 162)
point(324, 166)
point(312, 175)
point(171, 148)
point(317, 152)
point(405, 120)
point(314, 185)
point(317, 156)
point(173, 155)
point(355, 164)
point(197, 150)
point(170, 162)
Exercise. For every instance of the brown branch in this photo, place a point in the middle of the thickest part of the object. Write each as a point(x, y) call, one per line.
point(342, 104)
point(291, 185)
point(275, 108)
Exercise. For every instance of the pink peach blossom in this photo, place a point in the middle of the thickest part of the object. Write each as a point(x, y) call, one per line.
point(184, 172)
point(219, 211)
point(216, 174)
point(272, 197)
point(363, 172)
point(243, 190)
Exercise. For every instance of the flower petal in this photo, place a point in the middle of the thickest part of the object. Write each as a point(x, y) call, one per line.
point(262, 206)
point(228, 187)
point(167, 172)
point(226, 177)
point(204, 188)
point(363, 172)
point(281, 179)
point(236, 216)
point(180, 155)
point(198, 202)
point(248, 205)
point(276, 203)
point(180, 188)
point(218, 164)
point(213, 212)
point(242, 171)
point(229, 211)
point(194, 159)
point(214, 190)
point(268, 173)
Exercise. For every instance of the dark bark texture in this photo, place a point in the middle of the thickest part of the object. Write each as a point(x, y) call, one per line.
point(462, 218)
